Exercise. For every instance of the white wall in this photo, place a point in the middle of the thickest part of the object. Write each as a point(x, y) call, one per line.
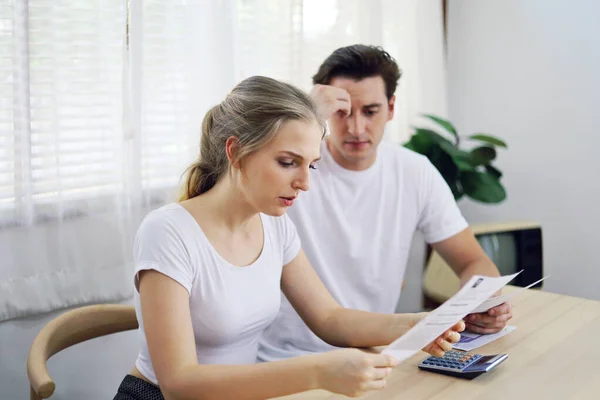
point(529, 72)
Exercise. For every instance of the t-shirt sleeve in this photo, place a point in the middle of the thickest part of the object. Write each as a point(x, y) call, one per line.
point(159, 246)
point(440, 217)
point(290, 239)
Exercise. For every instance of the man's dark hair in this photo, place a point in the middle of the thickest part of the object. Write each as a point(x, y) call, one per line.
point(358, 62)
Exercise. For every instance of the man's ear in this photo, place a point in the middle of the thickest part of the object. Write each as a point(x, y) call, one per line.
point(231, 149)
point(391, 104)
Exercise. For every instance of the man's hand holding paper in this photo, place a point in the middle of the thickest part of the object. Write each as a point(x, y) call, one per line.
point(492, 315)
point(490, 321)
point(446, 316)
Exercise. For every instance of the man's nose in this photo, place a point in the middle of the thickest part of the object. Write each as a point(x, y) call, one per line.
point(356, 124)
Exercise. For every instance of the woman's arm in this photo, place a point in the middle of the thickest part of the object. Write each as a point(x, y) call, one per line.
point(344, 327)
point(170, 338)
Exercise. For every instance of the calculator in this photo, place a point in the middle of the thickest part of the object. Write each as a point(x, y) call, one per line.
point(462, 364)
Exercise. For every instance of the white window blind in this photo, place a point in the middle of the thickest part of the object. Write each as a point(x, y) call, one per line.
point(62, 134)
point(186, 65)
point(65, 225)
point(75, 58)
point(165, 95)
point(7, 100)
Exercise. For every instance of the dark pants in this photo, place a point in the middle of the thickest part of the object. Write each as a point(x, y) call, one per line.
point(133, 388)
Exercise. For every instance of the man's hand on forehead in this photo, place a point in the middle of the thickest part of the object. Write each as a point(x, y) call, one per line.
point(330, 100)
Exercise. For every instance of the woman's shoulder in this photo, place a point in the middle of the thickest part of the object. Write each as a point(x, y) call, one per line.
point(165, 212)
point(170, 219)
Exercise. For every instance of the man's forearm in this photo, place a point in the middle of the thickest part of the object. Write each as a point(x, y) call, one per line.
point(355, 328)
point(465, 256)
point(484, 267)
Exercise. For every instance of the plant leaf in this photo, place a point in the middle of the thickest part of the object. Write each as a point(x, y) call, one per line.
point(458, 194)
point(444, 163)
point(433, 135)
point(463, 160)
point(456, 189)
point(483, 155)
point(409, 145)
point(420, 143)
point(488, 139)
point(463, 165)
point(493, 171)
point(482, 186)
point(447, 167)
point(443, 123)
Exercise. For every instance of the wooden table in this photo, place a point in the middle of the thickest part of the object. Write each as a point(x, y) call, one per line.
point(553, 354)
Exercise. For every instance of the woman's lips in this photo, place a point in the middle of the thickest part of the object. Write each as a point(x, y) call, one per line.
point(287, 201)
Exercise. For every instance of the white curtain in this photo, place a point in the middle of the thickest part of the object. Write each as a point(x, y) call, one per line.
point(101, 103)
point(63, 170)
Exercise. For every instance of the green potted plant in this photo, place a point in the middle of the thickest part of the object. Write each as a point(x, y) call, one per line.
point(468, 173)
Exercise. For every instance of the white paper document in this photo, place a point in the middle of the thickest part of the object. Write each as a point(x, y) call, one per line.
point(496, 301)
point(470, 340)
point(470, 296)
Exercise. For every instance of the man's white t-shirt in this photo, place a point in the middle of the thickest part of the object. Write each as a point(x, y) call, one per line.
point(356, 229)
point(230, 306)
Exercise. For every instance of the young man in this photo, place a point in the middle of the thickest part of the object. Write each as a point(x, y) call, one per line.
point(366, 200)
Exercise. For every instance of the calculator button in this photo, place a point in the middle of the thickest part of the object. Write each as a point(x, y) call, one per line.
point(453, 359)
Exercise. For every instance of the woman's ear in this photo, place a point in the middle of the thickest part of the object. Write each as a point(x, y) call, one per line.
point(231, 149)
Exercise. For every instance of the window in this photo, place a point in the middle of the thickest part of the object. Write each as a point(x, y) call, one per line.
point(101, 101)
point(165, 95)
point(7, 100)
point(61, 105)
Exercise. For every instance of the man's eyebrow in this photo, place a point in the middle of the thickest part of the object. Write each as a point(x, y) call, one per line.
point(373, 105)
point(291, 153)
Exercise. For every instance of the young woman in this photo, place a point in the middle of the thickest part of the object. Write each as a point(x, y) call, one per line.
point(210, 269)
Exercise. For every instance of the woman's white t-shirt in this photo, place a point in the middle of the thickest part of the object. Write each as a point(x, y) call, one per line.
point(230, 306)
